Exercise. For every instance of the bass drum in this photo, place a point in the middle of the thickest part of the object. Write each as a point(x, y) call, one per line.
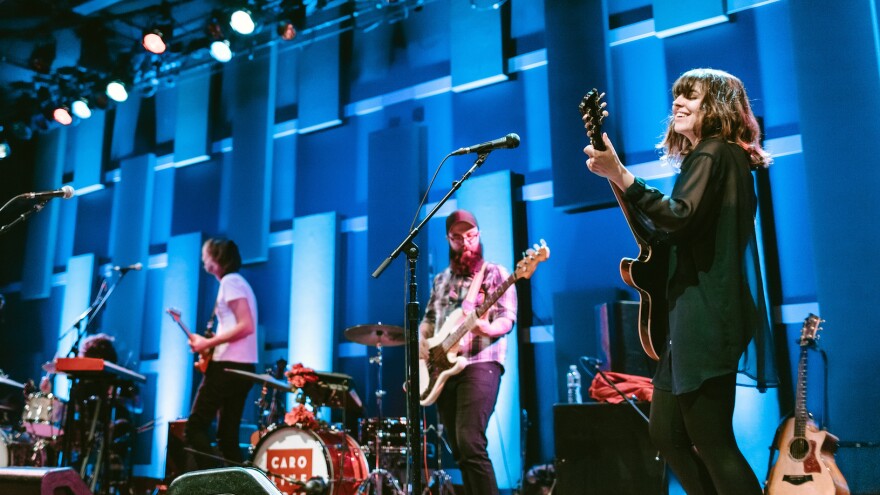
point(290, 453)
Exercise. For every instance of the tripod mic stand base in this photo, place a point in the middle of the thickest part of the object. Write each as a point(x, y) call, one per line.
point(439, 484)
point(377, 480)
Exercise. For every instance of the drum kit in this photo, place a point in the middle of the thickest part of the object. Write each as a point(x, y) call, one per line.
point(296, 458)
point(30, 430)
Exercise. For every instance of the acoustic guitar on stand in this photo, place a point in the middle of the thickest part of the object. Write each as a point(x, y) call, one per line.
point(806, 463)
point(204, 356)
point(646, 274)
point(443, 360)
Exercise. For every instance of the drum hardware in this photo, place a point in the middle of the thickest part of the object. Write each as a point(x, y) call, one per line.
point(439, 478)
point(378, 335)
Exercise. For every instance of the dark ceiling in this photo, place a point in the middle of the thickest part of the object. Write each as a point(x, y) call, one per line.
point(54, 51)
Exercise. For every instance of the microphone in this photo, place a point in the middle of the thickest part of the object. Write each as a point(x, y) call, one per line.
point(509, 141)
point(65, 192)
point(124, 269)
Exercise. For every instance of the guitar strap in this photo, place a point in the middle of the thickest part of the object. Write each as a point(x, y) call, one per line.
point(469, 303)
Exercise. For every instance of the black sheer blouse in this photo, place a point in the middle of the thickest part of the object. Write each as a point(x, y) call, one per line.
point(714, 290)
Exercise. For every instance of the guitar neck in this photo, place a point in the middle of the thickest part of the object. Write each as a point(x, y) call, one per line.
point(800, 407)
point(480, 310)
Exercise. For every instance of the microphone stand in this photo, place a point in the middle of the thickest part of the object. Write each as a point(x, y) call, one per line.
point(33, 209)
point(413, 413)
point(594, 363)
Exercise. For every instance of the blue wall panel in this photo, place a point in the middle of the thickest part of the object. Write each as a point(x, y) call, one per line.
point(43, 225)
point(313, 291)
point(196, 198)
point(477, 38)
point(129, 243)
point(831, 48)
point(191, 141)
point(250, 174)
point(87, 150)
point(319, 85)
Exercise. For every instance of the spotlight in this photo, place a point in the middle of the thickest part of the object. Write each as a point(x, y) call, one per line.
point(81, 109)
point(242, 22)
point(220, 51)
point(62, 116)
point(116, 91)
point(154, 40)
point(5, 150)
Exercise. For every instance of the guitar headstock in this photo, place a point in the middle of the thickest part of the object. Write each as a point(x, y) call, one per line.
point(526, 266)
point(175, 313)
point(593, 111)
point(810, 331)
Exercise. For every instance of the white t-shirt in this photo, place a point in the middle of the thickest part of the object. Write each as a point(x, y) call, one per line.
point(233, 286)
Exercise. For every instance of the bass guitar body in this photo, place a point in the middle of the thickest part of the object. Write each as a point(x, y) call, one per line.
point(806, 464)
point(440, 365)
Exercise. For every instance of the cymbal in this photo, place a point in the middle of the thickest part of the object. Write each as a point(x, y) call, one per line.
point(264, 378)
point(374, 335)
point(49, 367)
point(11, 383)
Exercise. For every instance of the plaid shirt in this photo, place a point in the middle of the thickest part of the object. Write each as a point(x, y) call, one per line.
point(447, 295)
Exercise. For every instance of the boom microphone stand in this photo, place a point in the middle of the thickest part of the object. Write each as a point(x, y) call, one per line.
point(413, 413)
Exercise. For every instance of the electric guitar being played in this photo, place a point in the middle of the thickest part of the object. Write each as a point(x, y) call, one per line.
point(646, 274)
point(806, 463)
point(204, 356)
point(443, 360)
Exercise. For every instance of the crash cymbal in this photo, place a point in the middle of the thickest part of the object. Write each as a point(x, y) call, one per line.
point(264, 378)
point(11, 383)
point(386, 335)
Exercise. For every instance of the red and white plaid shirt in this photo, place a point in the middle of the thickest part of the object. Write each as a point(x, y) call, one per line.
point(447, 295)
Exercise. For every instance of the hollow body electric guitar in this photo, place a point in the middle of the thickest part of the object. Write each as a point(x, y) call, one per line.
point(205, 356)
point(646, 274)
point(443, 360)
point(806, 463)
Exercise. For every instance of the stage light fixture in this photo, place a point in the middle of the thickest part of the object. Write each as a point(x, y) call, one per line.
point(62, 115)
point(117, 91)
point(81, 109)
point(242, 22)
point(5, 149)
point(154, 40)
point(221, 51)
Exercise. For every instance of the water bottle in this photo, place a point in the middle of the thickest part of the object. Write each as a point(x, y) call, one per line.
point(573, 378)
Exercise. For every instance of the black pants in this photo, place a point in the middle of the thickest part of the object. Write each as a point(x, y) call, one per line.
point(221, 395)
point(464, 406)
point(694, 432)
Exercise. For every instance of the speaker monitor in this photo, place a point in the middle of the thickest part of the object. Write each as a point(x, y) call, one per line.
point(41, 481)
point(604, 448)
point(225, 481)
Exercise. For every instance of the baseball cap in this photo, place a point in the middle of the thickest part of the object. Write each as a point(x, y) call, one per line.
point(460, 216)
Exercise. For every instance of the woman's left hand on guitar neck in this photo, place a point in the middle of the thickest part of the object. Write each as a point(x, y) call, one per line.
point(606, 164)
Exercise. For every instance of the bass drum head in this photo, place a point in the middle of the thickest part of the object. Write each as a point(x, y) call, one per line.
point(288, 453)
point(4, 449)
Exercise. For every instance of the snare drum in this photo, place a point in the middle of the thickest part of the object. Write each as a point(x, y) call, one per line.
point(304, 454)
point(389, 432)
point(42, 415)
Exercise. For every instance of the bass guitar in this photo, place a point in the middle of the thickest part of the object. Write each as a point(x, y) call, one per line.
point(443, 360)
point(805, 465)
point(205, 356)
point(646, 274)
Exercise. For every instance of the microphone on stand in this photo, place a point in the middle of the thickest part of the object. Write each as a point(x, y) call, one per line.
point(509, 141)
point(65, 192)
point(124, 269)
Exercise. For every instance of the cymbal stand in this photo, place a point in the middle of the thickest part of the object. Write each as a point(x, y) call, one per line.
point(378, 475)
point(439, 477)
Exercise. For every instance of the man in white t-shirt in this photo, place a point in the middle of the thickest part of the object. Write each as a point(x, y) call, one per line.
point(233, 346)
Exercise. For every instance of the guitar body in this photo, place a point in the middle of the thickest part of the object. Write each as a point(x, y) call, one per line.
point(647, 275)
point(806, 464)
point(440, 365)
point(205, 356)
